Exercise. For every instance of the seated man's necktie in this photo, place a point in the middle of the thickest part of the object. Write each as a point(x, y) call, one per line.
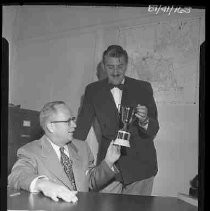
point(67, 165)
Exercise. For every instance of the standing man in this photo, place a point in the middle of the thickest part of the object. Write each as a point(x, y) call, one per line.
point(137, 164)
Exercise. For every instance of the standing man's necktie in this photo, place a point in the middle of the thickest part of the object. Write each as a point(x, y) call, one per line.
point(67, 165)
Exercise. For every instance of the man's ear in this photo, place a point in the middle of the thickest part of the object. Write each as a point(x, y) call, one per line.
point(50, 127)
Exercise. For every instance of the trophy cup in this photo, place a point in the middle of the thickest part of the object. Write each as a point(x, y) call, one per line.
point(126, 116)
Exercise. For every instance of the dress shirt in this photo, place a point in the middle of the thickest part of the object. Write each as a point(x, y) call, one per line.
point(57, 149)
point(117, 95)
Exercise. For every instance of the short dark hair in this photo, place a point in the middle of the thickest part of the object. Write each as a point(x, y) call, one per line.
point(47, 111)
point(115, 51)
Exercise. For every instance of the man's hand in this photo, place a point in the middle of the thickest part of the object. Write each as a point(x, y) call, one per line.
point(55, 191)
point(112, 154)
point(141, 113)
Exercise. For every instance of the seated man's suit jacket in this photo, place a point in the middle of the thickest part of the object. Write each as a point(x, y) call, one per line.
point(39, 158)
point(140, 161)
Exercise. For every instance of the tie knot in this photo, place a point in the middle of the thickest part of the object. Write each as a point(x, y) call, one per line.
point(119, 86)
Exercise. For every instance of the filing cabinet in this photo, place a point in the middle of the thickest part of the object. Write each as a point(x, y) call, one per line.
point(23, 127)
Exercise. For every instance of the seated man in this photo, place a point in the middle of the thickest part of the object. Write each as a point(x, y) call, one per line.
point(57, 165)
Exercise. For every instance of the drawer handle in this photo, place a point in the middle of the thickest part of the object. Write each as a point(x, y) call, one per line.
point(25, 136)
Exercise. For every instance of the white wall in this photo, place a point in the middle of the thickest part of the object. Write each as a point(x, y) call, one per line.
point(51, 70)
point(177, 148)
point(54, 54)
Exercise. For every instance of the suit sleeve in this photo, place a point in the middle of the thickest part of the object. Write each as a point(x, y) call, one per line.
point(24, 171)
point(85, 117)
point(99, 175)
point(153, 125)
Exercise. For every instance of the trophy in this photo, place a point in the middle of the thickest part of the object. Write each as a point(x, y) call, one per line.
point(126, 116)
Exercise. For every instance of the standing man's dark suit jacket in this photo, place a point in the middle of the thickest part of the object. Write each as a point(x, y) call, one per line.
point(140, 161)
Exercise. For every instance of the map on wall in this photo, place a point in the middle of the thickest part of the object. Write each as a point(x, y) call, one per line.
point(167, 55)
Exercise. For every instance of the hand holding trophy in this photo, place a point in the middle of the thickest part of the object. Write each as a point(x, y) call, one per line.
point(126, 116)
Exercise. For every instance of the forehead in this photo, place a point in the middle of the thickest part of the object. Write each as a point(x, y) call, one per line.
point(63, 111)
point(114, 60)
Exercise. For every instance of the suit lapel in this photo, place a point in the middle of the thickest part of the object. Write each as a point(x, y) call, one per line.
point(128, 98)
point(52, 162)
point(125, 93)
point(109, 100)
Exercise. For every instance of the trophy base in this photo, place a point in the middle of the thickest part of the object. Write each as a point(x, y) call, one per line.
point(122, 142)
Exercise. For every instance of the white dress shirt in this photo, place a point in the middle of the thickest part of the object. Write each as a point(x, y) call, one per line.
point(57, 149)
point(117, 95)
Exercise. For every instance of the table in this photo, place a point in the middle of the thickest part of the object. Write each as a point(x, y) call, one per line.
point(95, 202)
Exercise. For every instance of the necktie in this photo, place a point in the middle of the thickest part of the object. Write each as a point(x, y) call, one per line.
point(67, 165)
point(119, 86)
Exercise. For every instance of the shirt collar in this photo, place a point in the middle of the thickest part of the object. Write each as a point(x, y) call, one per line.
point(57, 148)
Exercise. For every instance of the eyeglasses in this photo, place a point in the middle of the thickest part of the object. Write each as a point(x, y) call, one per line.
point(67, 121)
